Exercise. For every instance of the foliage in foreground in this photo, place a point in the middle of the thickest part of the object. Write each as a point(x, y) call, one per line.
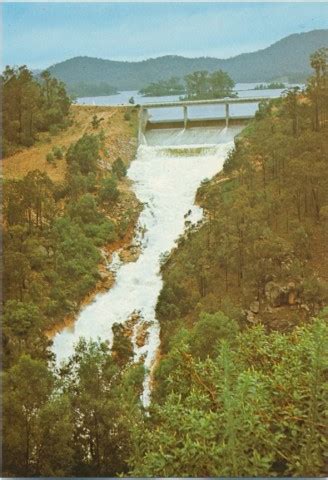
point(254, 407)
point(74, 422)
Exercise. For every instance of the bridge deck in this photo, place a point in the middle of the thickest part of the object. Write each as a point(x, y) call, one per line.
point(217, 101)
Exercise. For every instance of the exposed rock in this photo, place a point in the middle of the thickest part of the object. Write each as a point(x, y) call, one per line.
point(250, 317)
point(104, 274)
point(305, 307)
point(142, 334)
point(255, 306)
point(130, 254)
point(131, 323)
point(292, 297)
point(274, 294)
point(292, 293)
point(278, 295)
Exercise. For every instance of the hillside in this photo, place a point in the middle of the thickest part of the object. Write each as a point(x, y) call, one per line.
point(59, 184)
point(28, 159)
point(286, 59)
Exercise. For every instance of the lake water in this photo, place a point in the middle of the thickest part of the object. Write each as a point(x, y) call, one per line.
point(244, 90)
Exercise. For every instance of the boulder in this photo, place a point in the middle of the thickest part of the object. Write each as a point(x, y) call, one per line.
point(292, 297)
point(278, 295)
point(292, 293)
point(250, 317)
point(275, 294)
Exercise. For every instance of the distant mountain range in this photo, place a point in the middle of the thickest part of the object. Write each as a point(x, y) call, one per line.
point(285, 60)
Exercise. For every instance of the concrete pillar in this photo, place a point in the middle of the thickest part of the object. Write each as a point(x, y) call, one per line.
point(140, 132)
point(227, 114)
point(143, 119)
point(185, 116)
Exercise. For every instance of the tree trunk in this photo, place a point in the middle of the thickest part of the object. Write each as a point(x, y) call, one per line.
point(27, 446)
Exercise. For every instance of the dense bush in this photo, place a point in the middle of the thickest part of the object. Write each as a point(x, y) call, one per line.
point(119, 168)
point(83, 155)
point(255, 407)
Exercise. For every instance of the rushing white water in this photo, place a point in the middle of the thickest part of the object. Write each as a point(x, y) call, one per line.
point(166, 181)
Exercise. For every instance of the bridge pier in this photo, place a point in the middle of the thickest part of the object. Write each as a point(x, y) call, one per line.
point(185, 116)
point(227, 114)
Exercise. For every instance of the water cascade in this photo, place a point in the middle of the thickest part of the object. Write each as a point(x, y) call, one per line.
point(166, 180)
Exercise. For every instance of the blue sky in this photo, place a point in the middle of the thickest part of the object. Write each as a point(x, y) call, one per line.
point(40, 34)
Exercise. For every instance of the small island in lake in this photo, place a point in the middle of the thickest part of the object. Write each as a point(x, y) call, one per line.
point(198, 85)
point(162, 88)
point(270, 86)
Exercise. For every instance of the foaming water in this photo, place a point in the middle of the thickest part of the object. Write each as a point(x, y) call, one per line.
point(165, 181)
point(190, 136)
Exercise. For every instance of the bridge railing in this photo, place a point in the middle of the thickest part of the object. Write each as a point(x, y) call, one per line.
point(215, 101)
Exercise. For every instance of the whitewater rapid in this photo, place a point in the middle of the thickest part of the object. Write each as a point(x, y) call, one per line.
point(166, 181)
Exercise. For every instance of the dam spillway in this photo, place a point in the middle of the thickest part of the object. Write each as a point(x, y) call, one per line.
point(181, 137)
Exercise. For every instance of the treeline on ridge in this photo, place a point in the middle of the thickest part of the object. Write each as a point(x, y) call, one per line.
point(285, 60)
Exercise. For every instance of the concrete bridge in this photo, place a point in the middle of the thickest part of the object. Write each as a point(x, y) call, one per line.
point(147, 123)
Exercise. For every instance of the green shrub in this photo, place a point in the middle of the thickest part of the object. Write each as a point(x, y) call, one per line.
point(119, 168)
point(108, 190)
point(96, 121)
point(50, 158)
point(57, 152)
point(82, 156)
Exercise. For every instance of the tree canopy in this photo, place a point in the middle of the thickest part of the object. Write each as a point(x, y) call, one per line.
point(30, 106)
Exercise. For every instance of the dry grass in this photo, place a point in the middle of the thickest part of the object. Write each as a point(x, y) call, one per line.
point(118, 132)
